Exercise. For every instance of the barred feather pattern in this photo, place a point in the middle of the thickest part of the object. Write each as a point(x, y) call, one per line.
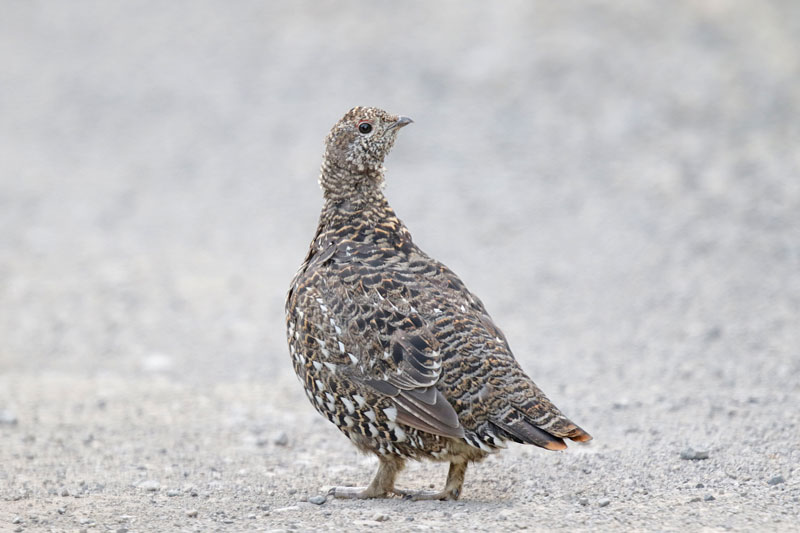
point(363, 290)
point(393, 349)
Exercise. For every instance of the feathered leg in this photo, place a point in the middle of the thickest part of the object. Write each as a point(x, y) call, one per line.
point(382, 485)
point(452, 489)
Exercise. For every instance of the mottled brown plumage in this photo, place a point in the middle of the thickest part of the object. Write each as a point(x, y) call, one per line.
point(389, 343)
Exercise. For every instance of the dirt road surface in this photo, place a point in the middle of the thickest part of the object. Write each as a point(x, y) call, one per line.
point(619, 183)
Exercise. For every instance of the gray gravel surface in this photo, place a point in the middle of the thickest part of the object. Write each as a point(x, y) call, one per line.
point(620, 183)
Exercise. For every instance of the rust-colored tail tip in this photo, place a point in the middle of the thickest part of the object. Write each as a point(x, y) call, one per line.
point(555, 445)
point(581, 436)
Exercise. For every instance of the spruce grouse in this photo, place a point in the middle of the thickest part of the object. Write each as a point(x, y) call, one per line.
point(389, 343)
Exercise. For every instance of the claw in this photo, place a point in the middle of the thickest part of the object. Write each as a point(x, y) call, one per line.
point(356, 493)
point(418, 495)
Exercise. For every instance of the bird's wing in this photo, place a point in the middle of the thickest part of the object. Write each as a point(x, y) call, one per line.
point(411, 383)
point(398, 355)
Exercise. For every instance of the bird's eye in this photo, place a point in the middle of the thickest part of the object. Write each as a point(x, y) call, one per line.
point(364, 127)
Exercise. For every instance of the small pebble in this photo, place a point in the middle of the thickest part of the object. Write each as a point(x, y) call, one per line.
point(61, 510)
point(18, 529)
point(317, 500)
point(699, 486)
point(17, 520)
point(622, 404)
point(690, 454)
point(191, 513)
point(695, 499)
point(122, 530)
point(709, 498)
point(172, 493)
point(8, 418)
point(583, 501)
point(282, 439)
point(603, 502)
point(380, 517)
point(64, 492)
point(776, 480)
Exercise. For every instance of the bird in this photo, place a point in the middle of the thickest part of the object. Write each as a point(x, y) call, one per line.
point(389, 343)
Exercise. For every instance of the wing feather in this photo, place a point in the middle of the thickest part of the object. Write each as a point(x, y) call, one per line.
point(412, 387)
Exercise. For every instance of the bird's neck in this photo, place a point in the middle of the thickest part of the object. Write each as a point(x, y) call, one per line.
point(361, 185)
point(352, 194)
point(358, 214)
point(363, 216)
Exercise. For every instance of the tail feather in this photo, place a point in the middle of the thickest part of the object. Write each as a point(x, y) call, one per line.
point(579, 435)
point(547, 434)
point(523, 431)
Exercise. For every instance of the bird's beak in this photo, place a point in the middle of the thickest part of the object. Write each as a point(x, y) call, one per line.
point(401, 121)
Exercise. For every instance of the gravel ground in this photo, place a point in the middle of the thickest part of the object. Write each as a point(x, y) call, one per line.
point(619, 183)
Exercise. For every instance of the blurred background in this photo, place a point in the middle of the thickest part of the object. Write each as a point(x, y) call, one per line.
point(619, 182)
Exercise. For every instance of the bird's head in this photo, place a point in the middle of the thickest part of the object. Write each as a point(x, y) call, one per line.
point(356, 147)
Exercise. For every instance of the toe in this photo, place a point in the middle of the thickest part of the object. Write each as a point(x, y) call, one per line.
point(355, 493)
point(419, 495)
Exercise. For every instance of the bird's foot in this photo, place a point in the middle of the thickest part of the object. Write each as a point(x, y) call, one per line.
point(364, 493)
point(356, 493)
point(417, 495)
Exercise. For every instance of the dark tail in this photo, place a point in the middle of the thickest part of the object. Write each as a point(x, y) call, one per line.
point(546, 431)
